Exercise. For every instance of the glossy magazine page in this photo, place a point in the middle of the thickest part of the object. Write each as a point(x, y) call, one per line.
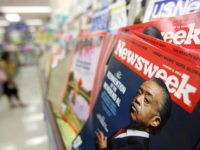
point(99, 20)
point(181, 30)
point(170, 8)
point(59, 73)
point(80, 85)
point(118, 16)
point(185, 53)
point(133, 63)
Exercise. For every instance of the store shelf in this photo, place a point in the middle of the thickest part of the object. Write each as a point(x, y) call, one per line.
point(55, 138)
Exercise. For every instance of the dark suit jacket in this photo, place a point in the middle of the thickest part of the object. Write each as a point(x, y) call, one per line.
point(128, 143)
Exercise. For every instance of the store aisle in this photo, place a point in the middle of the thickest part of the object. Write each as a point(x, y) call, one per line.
point(24, 128)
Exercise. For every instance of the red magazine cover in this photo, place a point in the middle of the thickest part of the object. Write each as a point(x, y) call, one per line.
point(173, 72)
point(125, 101)
point(185, 53)
point(181, 30)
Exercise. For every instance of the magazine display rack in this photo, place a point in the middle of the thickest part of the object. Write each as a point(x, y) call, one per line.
point(109, 61)
point(52, 127)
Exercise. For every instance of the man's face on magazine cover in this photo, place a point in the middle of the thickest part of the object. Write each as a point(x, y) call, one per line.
point(145, 105)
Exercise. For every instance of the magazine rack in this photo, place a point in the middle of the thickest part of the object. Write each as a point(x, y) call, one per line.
point(55, 138)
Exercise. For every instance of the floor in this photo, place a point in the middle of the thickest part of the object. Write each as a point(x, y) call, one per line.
point(24, 128)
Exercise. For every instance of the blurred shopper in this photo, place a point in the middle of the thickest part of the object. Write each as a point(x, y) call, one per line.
point(9, 87)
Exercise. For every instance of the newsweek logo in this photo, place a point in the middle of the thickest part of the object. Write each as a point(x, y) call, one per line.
point(179, 86)
point(167, 8)
point(187, 35)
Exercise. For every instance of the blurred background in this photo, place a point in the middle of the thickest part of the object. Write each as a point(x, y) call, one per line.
point(22, 127)
point(26, 28)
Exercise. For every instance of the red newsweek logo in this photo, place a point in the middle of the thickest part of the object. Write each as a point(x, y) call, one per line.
point(183, 92)
point(181, 30)
point(187, 36)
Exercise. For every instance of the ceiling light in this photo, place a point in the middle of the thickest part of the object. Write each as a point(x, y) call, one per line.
point(25, 9)
point(37, 140)
point(34, 22)
point(12, 17)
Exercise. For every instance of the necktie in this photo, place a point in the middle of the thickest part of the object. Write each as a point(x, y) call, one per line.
point(122, 130)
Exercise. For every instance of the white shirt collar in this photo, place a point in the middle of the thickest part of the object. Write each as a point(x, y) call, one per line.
point(130, 132)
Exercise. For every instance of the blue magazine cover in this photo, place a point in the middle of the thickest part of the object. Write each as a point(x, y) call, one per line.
point(126, 97)
point(170, 8)
point(99, 21)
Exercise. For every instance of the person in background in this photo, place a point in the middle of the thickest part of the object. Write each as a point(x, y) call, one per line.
point(149, 112)
point(9, 87)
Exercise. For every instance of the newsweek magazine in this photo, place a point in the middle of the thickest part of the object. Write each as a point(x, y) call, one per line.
point(170, 8)
point(182, 30)
point(185, 53)
point(133, 62)
point(80, 85)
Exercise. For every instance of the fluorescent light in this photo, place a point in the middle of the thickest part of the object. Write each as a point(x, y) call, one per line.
point(34, 118)
point(34, 22)
point(33, 127)
point(9, 147)
point(3, 23)
point(25, 9)
point(12, 17)
point(36, 141)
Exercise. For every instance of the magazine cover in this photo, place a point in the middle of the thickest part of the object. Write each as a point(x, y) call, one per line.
point(99, 20)
point(59, 48)
point(149, 100)
point(57, 77)
point(86, 19)
point(170, 8)
point(58, 54)
point(136, 11)
point(76, 103)
point(185, 53)
point(110, 39)
point(182, 30)
point(118, 16)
